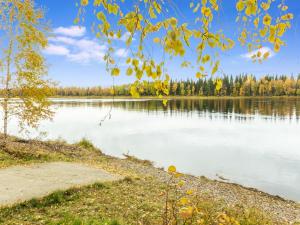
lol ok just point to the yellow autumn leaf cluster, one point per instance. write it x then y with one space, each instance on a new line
270 30
142 23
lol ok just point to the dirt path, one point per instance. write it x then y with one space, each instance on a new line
21 183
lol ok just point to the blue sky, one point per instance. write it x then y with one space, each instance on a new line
74 55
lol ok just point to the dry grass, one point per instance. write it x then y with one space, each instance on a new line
19 151
131 201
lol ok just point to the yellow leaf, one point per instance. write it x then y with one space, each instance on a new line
129 71
215 68
267 20
258 54
115 71
84 2
151 12
284 8
165 101
205 58
277 47
219 84
189 192
184 201
172 169
265 6
199 75
256 22
266 55
156 40
128 60
240 5
288 16
101 16
206 11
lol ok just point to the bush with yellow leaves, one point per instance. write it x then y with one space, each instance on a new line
184 206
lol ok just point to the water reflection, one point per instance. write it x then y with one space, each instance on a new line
240 109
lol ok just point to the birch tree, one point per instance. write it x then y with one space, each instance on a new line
24 85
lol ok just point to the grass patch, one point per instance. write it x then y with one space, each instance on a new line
20 151
85 143
137 160
136 202
73 220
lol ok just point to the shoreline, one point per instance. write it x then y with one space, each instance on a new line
279 208
177 97
145 162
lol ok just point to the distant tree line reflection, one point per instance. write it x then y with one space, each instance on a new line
244 109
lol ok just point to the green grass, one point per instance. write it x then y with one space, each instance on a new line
71 220
131 201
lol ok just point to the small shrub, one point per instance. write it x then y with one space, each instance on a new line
186 207
55 198
85 143
98 186
137 160
59 197
35 203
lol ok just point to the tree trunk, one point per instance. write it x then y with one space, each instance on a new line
5 119
7 92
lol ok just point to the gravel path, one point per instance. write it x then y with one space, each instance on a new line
21 183
281 210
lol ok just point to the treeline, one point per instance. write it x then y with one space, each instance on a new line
243 85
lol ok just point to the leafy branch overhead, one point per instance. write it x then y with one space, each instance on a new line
151 20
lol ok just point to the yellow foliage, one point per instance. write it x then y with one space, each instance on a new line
172 169
115 71
24 33
176 37
219 84
267 20
156 40
84 2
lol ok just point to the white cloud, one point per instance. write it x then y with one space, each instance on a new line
263 50
86 57
86 50
87 44
56 50
77 50
61 39
72 31
72 44
122 52
81 50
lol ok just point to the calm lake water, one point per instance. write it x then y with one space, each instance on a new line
253 142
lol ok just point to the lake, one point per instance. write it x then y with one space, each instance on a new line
252 142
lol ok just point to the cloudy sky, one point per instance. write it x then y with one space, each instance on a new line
75 57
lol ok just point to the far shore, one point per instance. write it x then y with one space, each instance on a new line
178 97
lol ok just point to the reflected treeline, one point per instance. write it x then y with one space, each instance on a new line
243 109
